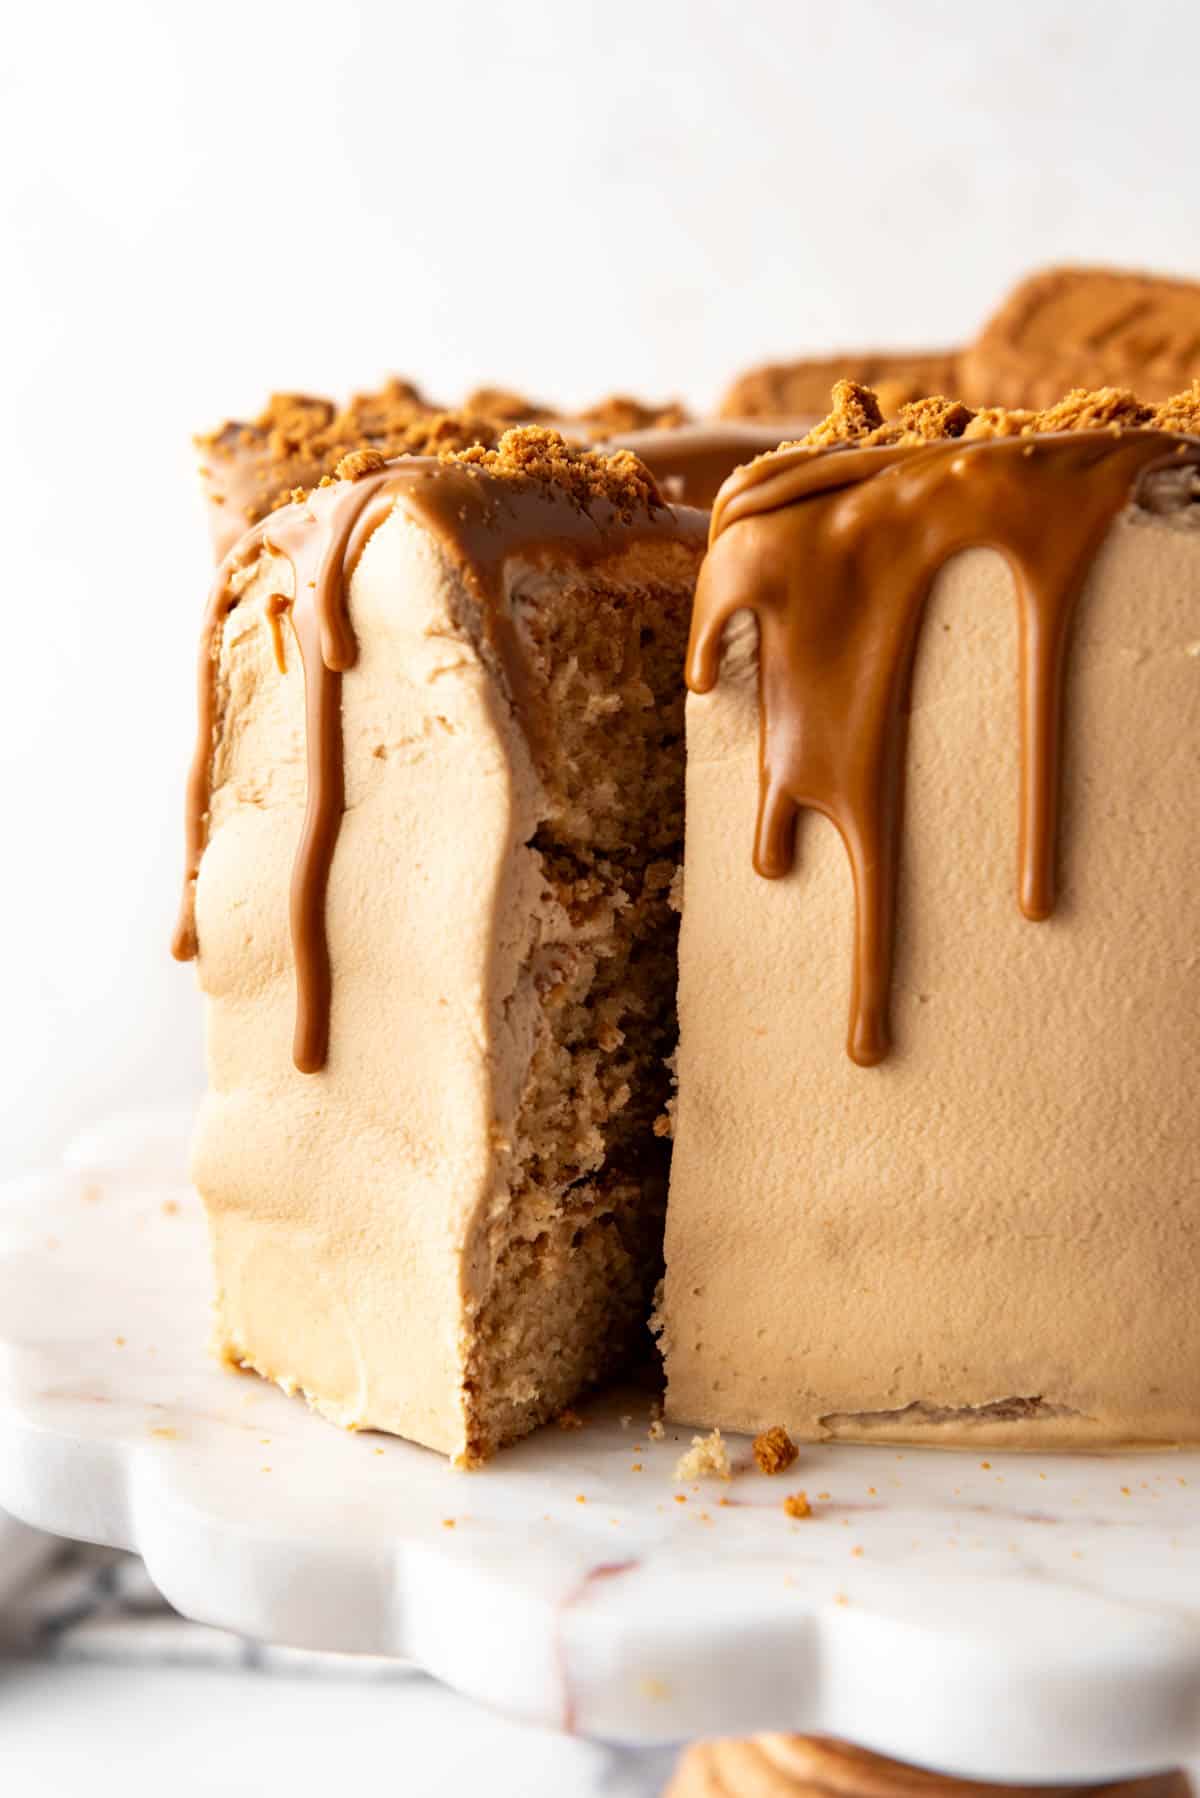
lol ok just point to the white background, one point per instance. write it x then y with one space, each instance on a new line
200 203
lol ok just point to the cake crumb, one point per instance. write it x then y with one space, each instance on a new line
448 1523
774 1450
796 1505
656 1432
708 1458
569 1420
626 1420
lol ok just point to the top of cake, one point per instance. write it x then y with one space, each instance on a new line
856 419
524 456
251 468
536 453
841 536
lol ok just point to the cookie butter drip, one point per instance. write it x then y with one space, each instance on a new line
483 520
835 554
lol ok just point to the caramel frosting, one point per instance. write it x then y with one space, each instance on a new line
787 1766
531 496
834 554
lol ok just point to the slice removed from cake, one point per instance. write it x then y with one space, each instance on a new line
450 1223
935 1165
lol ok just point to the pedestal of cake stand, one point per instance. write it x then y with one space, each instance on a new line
782 1766
1028 1619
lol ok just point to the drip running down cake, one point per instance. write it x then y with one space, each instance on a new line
435 816
936 1147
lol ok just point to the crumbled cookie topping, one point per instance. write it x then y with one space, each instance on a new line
856 419
536 453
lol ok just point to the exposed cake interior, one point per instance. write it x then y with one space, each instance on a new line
574 1247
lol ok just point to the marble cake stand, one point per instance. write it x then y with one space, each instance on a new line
1000 1617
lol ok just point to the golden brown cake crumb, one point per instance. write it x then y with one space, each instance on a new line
569 1420
774 1450
536 453
796 1505
708 1458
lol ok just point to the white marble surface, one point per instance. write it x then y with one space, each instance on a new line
1006 1617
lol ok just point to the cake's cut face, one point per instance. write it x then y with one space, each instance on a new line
250 469
435 815
1085 327
936 1140
800 390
